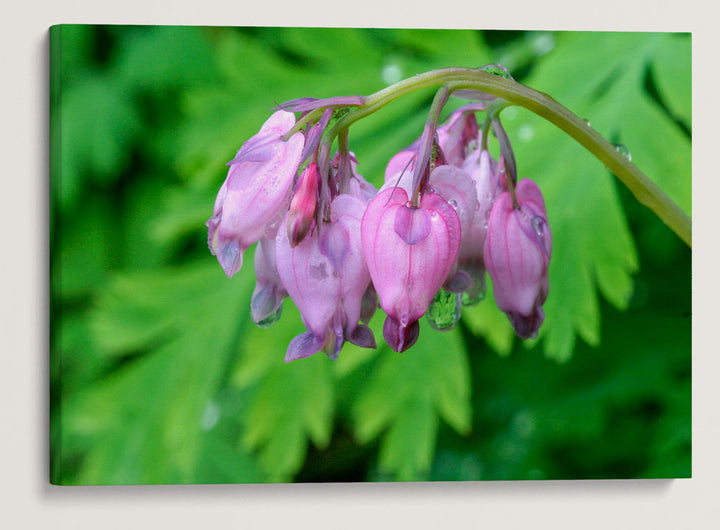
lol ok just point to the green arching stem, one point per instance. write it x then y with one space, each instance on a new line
644 190
381 98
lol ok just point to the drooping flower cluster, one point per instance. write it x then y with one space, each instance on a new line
447 213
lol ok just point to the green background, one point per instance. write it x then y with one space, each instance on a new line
158 374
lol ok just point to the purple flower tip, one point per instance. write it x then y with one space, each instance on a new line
527 327
264 303
304 345
363 336
398 336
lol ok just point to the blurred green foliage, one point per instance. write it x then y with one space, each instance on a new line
158 374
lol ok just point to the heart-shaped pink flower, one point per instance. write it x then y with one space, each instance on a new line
326 276
517 255
409 252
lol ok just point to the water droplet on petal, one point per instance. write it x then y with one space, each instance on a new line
477 294
540 228
624 151
538 224
444 311
271 318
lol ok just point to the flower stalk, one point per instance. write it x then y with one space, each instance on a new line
514 93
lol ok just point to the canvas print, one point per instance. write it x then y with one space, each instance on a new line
356 254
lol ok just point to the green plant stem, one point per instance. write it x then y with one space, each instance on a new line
644 190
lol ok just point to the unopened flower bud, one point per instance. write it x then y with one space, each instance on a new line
302 207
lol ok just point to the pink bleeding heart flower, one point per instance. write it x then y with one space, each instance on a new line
517 255
485 175
267 298
303 204
327 278
361 188
256 190
489 178
457 187
399 172
345 178
401 164
457 135
410 252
